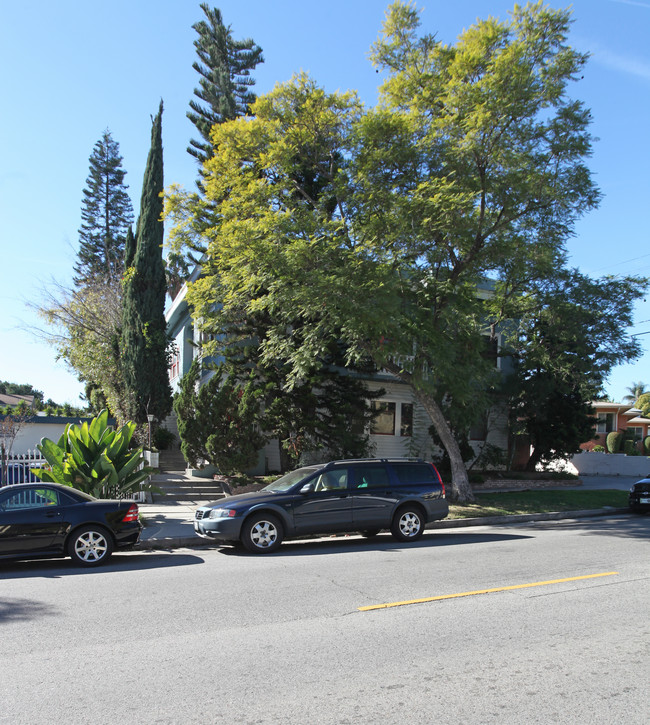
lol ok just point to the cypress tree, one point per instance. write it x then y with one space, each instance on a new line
144 337
106 214
224 65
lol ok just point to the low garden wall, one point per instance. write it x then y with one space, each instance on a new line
515 484
608 464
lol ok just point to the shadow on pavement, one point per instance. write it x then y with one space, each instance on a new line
628 526
131 561
342 544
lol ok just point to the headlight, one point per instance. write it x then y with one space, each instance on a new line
222 513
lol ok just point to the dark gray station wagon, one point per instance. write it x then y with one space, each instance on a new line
365 495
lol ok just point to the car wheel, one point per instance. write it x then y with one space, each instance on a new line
262 534
90 546
370 533
408 524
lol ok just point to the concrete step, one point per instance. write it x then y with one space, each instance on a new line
183 488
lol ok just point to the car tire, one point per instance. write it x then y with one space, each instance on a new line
90 546
262 533
408 523
370 533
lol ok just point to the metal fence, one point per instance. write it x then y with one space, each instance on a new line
17 468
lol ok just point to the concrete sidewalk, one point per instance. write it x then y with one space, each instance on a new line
170 523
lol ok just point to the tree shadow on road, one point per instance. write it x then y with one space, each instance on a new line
120 562
628 526
351 544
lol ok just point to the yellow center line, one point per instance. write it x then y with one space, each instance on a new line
484 591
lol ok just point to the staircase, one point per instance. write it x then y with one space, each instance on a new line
172 461
177 486
176 483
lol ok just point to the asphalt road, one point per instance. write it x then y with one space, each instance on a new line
217 636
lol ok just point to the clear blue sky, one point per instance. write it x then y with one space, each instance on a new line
72 68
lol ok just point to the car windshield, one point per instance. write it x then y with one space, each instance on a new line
284 483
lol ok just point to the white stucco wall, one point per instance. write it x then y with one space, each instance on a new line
608 464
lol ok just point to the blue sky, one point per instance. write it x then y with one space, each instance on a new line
73 68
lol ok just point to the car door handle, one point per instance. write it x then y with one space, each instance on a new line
52 515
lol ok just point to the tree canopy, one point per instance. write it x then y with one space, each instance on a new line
379 227
224 66
144 344
106 216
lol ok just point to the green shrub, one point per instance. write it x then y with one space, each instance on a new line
598 449
629 448
614 441
95 459
646 445
163 439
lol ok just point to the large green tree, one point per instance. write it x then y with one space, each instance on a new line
106 215
224 66
218 421
471 166
571 333
144 343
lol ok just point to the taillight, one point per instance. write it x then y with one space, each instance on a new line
131 514
439 479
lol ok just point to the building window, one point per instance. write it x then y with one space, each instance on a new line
175 366
491 349
384 421
387 422
606 422
636 431
406 422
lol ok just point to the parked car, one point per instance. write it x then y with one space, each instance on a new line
640 495
366 495
49 520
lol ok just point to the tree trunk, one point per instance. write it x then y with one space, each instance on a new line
534 459
460 490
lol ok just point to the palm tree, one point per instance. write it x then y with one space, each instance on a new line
636 390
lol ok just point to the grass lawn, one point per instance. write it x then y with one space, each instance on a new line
531 502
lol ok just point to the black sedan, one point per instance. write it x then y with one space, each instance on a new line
49 520
640 495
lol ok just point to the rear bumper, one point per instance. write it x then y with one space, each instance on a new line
436 510
127 538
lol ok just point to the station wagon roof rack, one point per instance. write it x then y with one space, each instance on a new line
396 459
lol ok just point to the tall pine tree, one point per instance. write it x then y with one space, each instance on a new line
106 215
144 337
224 89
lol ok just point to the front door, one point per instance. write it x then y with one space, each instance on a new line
328 507
30 519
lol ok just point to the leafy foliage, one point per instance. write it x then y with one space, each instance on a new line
106 216
95 458
378 227
218 422
572 332
224 91
144 343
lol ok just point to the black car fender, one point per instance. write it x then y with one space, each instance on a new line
278 511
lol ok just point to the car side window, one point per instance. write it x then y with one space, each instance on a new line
31 498
334 480
415 473
371 477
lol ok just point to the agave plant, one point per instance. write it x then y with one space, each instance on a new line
95 458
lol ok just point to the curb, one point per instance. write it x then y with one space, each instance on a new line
523 518
194 542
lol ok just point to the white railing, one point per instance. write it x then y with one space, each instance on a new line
16 467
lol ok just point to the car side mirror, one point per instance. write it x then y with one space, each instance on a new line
307 488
